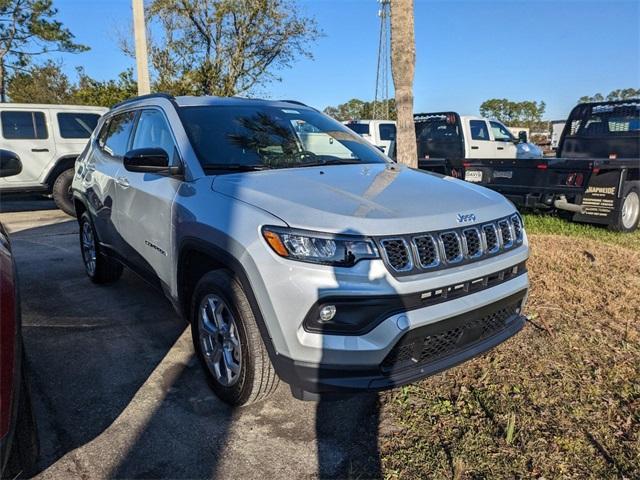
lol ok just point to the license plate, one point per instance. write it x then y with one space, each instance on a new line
473 176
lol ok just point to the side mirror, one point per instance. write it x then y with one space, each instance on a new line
522 136
10 164
149 160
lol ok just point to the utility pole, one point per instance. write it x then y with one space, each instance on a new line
140 35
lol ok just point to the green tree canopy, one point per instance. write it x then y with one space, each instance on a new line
28 29
620 94
47 83
43 84
223 47
356 109
518 114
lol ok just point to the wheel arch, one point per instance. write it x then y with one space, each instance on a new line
196 257
63 163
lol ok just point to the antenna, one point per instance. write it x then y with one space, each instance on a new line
381 97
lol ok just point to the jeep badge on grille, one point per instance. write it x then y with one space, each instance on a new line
466 217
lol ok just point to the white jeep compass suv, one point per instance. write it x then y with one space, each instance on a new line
297 250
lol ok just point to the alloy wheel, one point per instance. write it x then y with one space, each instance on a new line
88 248
218 335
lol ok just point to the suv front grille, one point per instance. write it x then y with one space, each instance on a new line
397 253
437 250
428 347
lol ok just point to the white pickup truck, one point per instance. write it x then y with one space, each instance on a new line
452 136
381 133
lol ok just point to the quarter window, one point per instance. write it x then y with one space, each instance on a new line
116 140
153 132
23 125
77 125
479 130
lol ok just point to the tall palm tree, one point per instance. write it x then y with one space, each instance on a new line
403 63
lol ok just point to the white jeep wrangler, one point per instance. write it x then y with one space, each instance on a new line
47 139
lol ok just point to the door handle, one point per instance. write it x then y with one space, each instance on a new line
39 149
123 182
500 148
474 148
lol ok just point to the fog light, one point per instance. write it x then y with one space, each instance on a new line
327 313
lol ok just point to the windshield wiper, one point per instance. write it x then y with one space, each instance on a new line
235 167
333 161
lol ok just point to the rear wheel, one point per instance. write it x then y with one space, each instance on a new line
62 192
629 215
99 267
228 342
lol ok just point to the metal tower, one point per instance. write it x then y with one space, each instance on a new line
381 97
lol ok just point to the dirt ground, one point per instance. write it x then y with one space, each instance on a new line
560 400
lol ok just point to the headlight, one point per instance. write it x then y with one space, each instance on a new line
325 249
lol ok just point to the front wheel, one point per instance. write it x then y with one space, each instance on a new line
629 215
99 267
61 192
228 342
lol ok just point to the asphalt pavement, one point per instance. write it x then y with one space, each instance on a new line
118 392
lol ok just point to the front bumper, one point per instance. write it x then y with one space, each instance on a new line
419 353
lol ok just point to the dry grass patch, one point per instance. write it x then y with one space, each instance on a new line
561 399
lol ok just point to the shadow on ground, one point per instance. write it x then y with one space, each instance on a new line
119 393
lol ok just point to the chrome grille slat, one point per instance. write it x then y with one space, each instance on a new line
473 242
451 247
398 254
429 251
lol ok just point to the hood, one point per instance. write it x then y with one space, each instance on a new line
371 199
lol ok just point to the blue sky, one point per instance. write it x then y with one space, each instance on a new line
467 51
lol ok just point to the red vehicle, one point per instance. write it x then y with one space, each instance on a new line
18 436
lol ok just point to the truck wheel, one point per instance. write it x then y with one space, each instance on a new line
99 267
62 192
228 342
629 215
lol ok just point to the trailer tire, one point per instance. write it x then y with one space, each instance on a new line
628 216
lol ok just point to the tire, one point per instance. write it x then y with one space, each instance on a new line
61 192
230 337
99 267
24 447
629 215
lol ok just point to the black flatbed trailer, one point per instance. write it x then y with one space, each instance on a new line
595 177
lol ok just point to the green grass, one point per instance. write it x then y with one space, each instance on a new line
546 224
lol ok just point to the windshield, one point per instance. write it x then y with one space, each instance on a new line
271 137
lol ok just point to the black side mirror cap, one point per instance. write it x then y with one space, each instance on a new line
10 163
149 160
522 136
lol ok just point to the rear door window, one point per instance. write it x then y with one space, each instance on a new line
20 125
77 125
479 130
359 128
116 139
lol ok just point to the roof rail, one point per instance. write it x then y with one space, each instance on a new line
294 101
143 97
